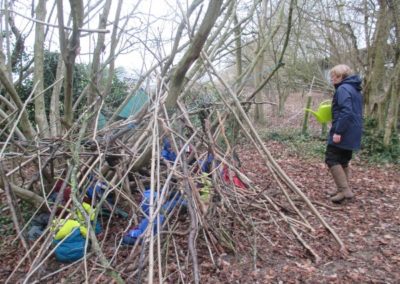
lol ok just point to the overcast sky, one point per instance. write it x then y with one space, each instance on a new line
160 14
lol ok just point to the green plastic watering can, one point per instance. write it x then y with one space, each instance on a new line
324 112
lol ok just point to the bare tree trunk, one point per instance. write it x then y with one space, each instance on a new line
281 96
279 63
54 111
26 126
114 43
374 89
38 71
238 43
70 48
95 74
259 116
19 46
394 90
178 37
394 93
178 76
5 72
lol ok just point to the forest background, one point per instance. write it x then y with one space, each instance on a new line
217 75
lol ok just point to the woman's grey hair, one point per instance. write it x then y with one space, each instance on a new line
341 70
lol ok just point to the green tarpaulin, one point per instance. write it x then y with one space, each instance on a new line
134 104
130 108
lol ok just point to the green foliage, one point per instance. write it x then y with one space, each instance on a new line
201 100
6 223
119 91
81 79
24 91
119 87
373 149
50 68
297 143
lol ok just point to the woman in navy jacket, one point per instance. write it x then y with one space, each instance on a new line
345 133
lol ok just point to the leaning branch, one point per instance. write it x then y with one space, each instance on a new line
104 31
280 61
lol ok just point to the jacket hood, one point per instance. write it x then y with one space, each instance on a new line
353 80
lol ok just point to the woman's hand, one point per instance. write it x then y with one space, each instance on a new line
336 138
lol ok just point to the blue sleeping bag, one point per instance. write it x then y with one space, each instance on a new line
71 248
132 235
167 152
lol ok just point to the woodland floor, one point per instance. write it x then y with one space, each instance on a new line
369 225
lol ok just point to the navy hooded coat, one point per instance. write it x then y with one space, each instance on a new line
347 108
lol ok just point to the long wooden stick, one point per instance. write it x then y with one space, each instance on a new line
270 160
15 213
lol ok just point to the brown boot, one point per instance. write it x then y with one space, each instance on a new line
333 192
340 178
347 172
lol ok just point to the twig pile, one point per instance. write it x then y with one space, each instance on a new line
127 158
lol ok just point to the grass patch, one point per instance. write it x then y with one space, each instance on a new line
306 146
6 223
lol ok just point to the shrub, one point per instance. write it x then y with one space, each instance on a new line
373 149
